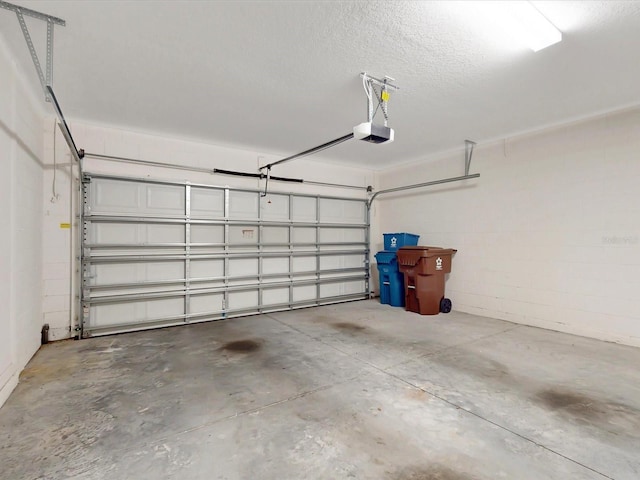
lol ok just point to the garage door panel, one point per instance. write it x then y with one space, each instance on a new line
342 211
163 271
207 268
304 293
207 203
304 235
274 207
164 199
275 234
243 234
110 274
163 234
207 233
211 303
243 205
151 258
353 287
332 262
110 196
113 274
114 233
341 235
340 289
246 300
243 266
135 234
275 265
304 264
275 296
304 209
143 311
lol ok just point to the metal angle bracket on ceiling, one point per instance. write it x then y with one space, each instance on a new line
46 79
468 153
369 83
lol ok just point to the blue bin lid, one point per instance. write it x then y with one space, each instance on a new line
386 257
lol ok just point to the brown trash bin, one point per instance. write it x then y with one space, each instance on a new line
424 271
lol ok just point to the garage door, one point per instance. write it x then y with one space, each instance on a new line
158 253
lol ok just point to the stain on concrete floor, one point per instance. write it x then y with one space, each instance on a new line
586 409
348 327
242 346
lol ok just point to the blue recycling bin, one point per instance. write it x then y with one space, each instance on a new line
391 279
393 241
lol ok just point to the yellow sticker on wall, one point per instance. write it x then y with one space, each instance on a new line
65 225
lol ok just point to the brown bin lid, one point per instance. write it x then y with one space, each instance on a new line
424 251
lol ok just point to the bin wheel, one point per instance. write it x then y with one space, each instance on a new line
445 305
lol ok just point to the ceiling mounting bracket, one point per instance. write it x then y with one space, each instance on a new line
369 83
468 153
46 78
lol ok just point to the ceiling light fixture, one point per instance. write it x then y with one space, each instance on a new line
524 21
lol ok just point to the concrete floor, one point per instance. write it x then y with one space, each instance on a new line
357 390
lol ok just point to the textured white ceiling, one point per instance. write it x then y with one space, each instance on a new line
280 77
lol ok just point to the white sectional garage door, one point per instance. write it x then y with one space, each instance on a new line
158 253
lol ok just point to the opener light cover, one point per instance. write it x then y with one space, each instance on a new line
373 133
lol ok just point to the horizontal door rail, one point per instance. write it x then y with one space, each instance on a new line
178 281
213 256
178 293
132 246
181 220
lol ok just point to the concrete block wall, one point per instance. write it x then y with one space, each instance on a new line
21 153
59 264
547 236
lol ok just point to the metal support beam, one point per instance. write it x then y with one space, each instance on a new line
49 77
32 13
468 153
45 80
32 51
421 185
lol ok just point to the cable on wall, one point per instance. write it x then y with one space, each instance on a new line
54 195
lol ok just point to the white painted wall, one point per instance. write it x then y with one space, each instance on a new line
548 235
59 275
21 151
